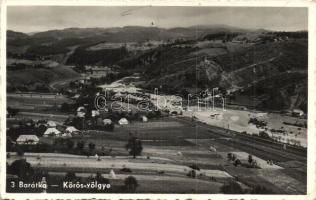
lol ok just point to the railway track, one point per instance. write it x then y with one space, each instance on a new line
260 148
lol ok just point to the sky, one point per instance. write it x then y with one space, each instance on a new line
30 19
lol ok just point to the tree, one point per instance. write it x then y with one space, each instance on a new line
264 134
134 146
10 144
59 142
12 111
258 189
91 146
195 166
70 176
70 144
229 156
237 162
250 159
100 179
254 164
130 184
40 130
192 173
234 157
108 127
19 151
232 187
21 168
65 107
80 145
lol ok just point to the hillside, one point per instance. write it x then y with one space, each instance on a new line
37 79
259 68
12 35
275 73
74 36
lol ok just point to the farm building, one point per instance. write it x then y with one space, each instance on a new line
51 132
81 109
112 174
95 113
123 121
66 134
297 112
81 114
51 124
71 129
99 121
76 96
144 118
27 139
107 121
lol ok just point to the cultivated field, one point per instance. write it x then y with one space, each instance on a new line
171 145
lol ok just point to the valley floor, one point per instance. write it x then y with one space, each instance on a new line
170 146
237 120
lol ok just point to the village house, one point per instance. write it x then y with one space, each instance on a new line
297 112
51 124
27 139
123 121
71 131
51 132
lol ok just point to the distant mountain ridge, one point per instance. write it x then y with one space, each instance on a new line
139 32
268 65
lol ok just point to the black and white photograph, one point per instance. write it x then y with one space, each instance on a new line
156 100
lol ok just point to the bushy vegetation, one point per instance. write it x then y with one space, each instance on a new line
43 50
109 78
224 36
258 123
130 184
21 168
134 146
232 187
82 56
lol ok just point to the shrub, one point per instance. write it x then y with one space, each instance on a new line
192 173
19 151
80 145
91 146
234 157
12 111
130 184
134 146
258 189
237 162
100 179
229 156
250 159
232 187
70 144
263 134
126 169
70 176
21 168
194 166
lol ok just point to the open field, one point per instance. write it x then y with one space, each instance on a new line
36 102
237 120
83 164
185 143
38 105
27 79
